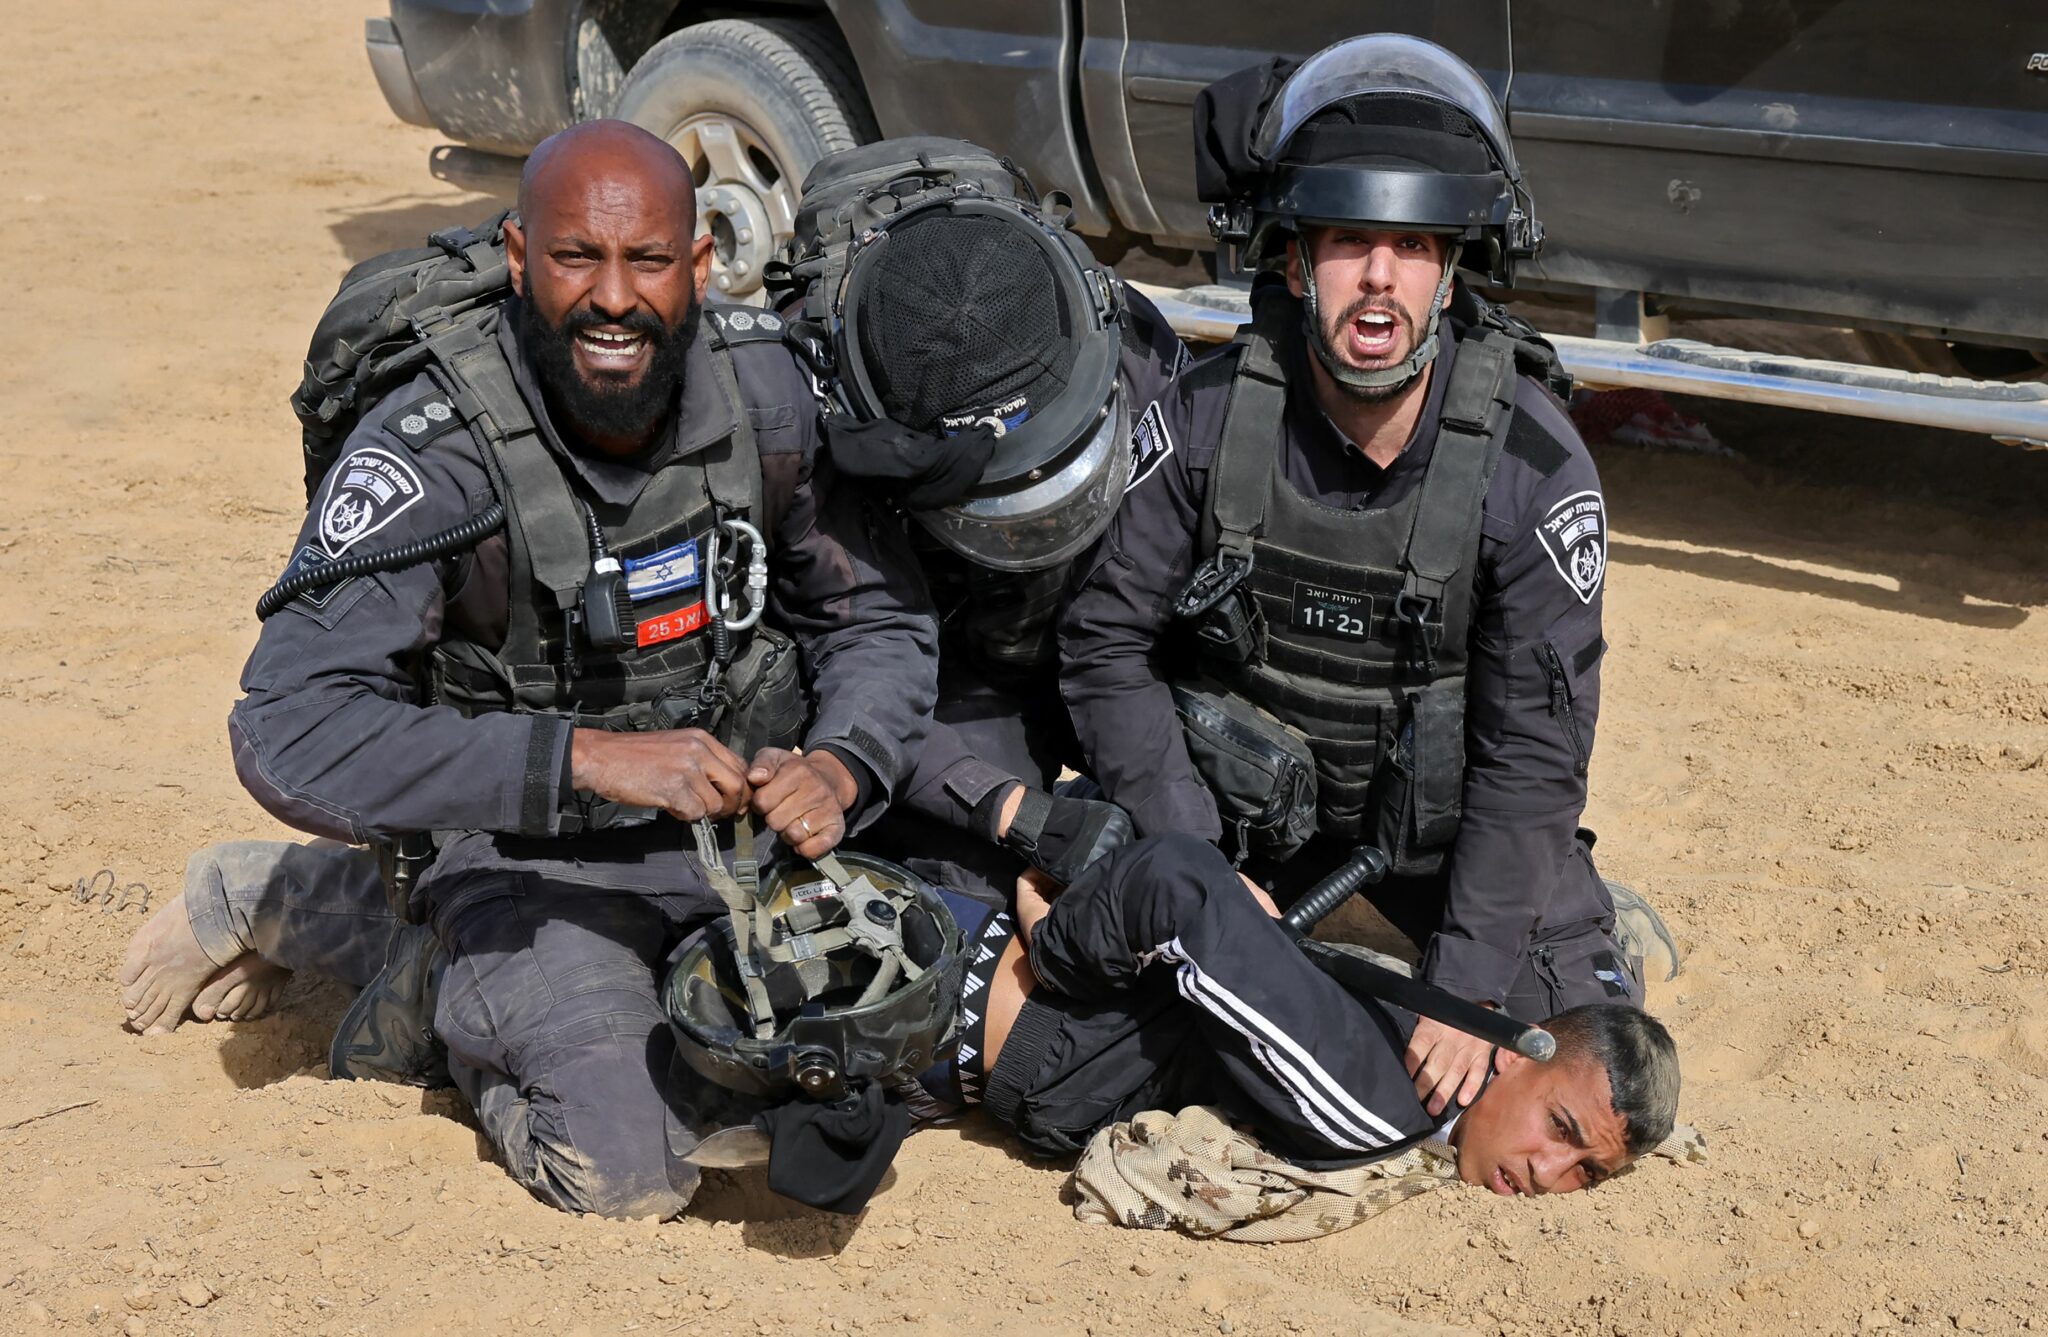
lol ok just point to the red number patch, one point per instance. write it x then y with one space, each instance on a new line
670 626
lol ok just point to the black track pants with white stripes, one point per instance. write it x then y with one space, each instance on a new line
1164 985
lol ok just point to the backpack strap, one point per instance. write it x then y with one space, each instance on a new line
1247 452
540 506
732 467
1234 511
1471 430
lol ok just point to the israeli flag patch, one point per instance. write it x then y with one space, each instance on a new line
1151 443
662 572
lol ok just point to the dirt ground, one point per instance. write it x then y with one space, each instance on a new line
1822 754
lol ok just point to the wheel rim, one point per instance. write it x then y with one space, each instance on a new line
745 198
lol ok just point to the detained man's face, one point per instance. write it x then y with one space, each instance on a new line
1541 1128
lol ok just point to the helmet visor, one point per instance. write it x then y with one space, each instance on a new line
1384 63
1421 201
1050 515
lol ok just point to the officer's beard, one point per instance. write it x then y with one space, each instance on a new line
1335 334
608 408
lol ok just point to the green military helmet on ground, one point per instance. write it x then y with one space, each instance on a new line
822 980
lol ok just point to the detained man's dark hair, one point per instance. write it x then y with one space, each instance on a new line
1639 1057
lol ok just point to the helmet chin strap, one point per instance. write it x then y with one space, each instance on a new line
1402 372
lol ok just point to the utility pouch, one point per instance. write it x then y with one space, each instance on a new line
1261 772
766 705
1232 630
1421 783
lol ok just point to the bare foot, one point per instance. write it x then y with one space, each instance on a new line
164 971
242 990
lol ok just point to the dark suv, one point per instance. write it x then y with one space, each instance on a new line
1859 163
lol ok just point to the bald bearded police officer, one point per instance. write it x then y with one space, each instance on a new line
545 702
1366 580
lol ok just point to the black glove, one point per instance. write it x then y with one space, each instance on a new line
833 1156
1062 836
927 471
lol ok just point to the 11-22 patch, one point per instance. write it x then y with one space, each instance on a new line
1322 611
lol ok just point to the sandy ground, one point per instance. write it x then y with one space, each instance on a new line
1822 754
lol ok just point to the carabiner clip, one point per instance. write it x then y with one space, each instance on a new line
1213 579
742 537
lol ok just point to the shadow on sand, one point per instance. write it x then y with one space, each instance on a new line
1901 519
290 1040
403 221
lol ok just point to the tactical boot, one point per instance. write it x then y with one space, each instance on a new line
1641 932
387 1034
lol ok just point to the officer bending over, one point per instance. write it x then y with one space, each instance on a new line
548 701
989 373
1359 600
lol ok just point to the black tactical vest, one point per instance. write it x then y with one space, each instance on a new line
1350 628
683 671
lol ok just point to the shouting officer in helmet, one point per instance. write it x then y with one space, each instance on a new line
1359 599
989 373
585 500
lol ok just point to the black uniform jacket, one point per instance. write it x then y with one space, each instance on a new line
1534 677
329 736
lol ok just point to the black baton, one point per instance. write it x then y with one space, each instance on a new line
1360 976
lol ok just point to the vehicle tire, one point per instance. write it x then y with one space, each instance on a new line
751 104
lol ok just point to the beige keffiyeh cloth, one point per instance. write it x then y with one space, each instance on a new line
1193 1172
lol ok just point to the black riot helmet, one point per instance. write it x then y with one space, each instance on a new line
1389 132
819 981
967 315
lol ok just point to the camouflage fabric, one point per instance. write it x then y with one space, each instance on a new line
1195 1173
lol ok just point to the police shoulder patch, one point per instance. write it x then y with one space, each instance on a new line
1574 534
367 489
1151 443
746 324
423 420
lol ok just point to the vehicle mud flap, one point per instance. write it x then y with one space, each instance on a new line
1261 772
1422 781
